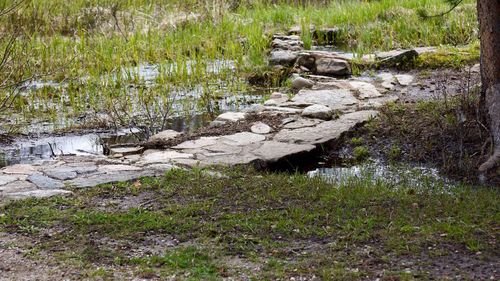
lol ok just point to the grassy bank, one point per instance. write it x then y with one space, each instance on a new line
263 226
86 43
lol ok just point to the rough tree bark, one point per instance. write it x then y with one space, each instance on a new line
489 25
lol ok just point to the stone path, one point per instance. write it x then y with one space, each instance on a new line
322 109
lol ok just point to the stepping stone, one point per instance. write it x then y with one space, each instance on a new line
17 186
318 111
244 138
117 168
280 109
231 116
124 151
94 180
164 135
387 79
61 174
365 90
44 182
272 151
163 157
301 123
336 99
5 179
404 79
325 131
37 194
283 57
199 143
22 169
260 128
299 83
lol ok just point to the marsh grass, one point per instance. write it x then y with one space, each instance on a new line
68 41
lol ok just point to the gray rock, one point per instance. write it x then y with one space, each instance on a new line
301 123
164 135
45 182
260 128
404 79
280 57
425 50
61 174
80 168
231 116
163 157
387 79
291 45
93 180
37 194
272 151
284 110
326 131
396 56
365 90
23 169
324 63
254 108
332 67
318 111
127 150
299 83
199 143
244 138
5 179
336 99
117 168
17 186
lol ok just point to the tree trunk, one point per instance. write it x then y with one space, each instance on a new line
489 24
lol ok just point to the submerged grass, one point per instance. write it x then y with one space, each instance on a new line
275 225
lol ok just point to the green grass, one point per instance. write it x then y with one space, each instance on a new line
263 219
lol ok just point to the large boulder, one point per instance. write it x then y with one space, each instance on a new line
324 63
283 57
396 57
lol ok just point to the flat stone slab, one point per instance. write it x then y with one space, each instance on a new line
272 151
127 150
163 157
23 169
164 135
37 194
326 131
301 123
336 99
117 168
93 180
231 116
199 143
5 179
244 138
44 182
17 186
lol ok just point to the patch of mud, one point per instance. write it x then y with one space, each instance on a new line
440 84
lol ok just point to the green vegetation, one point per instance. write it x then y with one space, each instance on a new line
87 45
275 225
